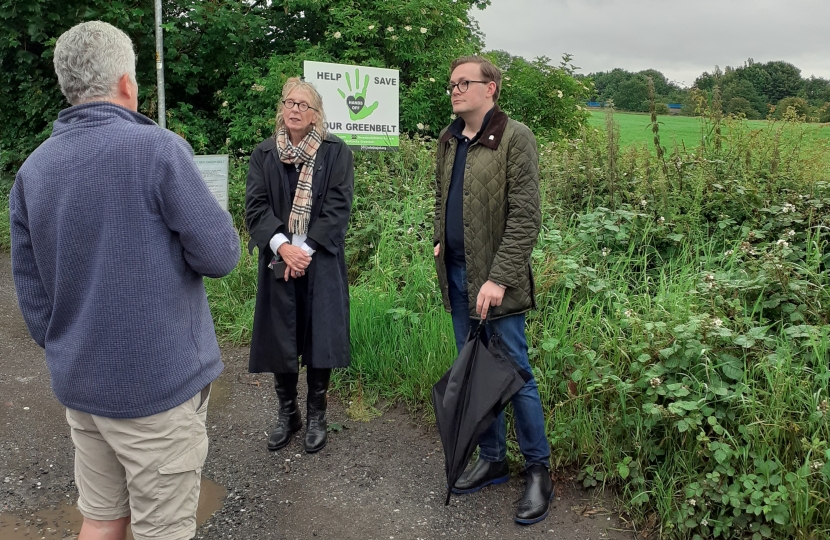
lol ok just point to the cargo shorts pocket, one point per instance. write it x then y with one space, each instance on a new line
190 460
178 491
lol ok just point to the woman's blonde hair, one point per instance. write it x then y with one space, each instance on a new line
316 101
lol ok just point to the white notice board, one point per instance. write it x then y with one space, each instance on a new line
214 171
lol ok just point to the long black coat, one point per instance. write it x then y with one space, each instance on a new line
267 207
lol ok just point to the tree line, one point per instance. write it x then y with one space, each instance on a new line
226 62
754 89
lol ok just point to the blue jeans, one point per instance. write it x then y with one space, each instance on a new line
527 407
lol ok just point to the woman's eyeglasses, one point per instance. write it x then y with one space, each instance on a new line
289 104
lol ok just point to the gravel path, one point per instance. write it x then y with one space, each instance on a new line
381 479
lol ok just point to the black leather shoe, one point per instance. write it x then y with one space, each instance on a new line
289 420
316 429
535 503
481 474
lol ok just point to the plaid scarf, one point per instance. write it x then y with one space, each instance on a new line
304 154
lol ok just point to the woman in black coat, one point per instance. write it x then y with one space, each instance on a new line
297 204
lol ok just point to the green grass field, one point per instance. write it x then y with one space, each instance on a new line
636 129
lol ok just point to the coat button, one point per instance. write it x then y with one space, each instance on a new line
468 166
468 252
466 223
466 193
319 195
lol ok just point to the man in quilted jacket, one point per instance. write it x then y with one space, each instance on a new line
487 218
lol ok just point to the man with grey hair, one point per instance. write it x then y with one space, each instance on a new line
113 230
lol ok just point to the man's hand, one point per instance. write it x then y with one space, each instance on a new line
491 294
296 260
437 249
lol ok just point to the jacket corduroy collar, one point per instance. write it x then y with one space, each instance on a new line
493 133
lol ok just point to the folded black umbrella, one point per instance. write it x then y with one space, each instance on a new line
470 396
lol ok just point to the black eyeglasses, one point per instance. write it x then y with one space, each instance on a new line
289 104
462 86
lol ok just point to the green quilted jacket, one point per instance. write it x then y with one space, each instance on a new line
502 214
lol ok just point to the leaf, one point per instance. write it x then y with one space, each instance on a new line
744 341
572 388
732 368
682 407
623 470
550 344
758 332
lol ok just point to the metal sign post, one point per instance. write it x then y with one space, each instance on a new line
160 67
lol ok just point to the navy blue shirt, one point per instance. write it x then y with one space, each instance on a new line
454 248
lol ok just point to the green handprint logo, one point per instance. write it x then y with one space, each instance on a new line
357 101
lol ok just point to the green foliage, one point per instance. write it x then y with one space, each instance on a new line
203 43
792 105
5 232
632 95
740 96
216 52
816 91
629 91
545 98
763 85
741 106
681 344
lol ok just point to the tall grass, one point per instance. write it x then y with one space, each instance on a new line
681 343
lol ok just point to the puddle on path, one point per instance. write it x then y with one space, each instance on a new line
65 521
220 395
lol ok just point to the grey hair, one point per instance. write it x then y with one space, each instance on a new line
90 58
316 99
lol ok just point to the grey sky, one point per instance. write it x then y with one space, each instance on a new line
681 39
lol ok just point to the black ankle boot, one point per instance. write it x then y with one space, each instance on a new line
316 434
289 419
481 474
535 503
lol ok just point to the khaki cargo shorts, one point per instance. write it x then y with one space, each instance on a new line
148 468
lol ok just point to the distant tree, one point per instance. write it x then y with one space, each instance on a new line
784 81
632 95
606 84
734 87
707 81
547 98
816 91
799 105
662 86
740 105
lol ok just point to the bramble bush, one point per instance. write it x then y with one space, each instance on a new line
681 343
